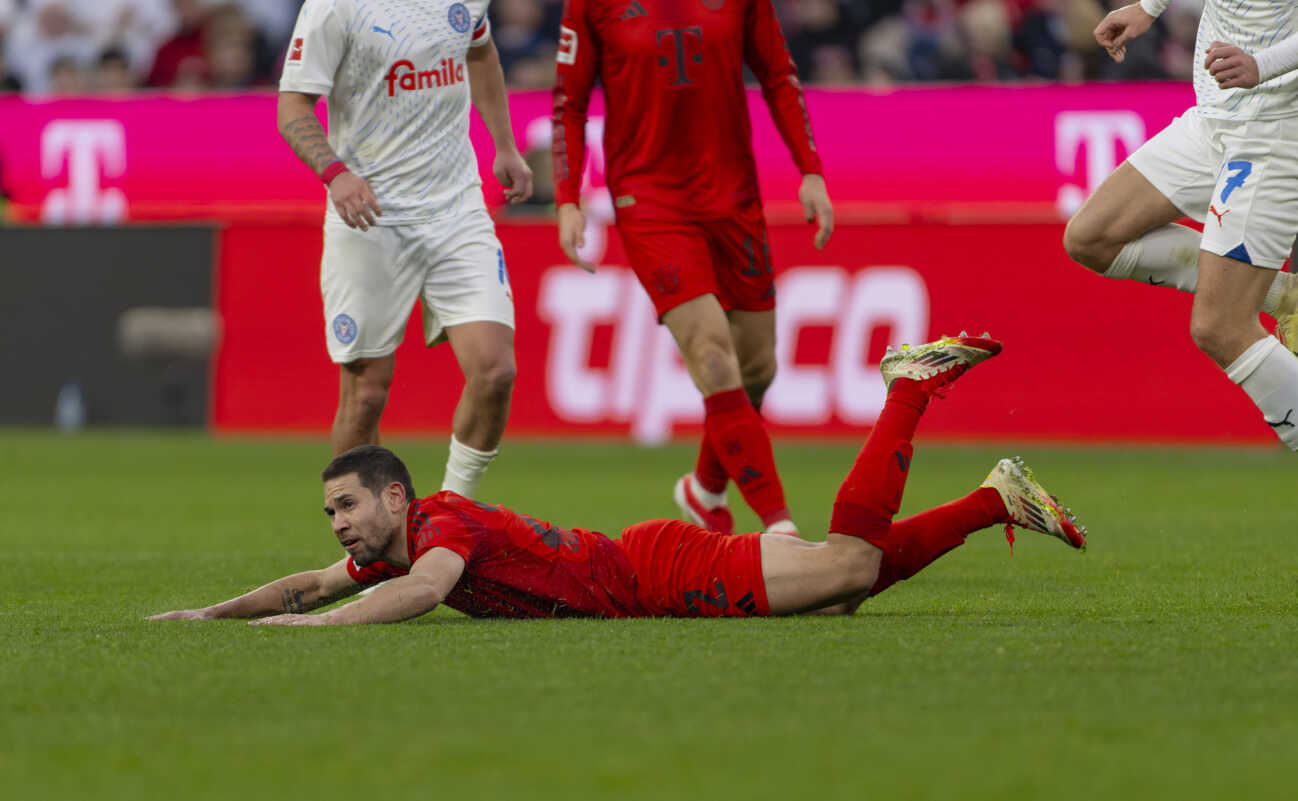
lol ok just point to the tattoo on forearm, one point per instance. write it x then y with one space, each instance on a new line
307 138
293 601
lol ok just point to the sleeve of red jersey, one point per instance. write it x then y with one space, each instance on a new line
577 63
443 530
767 54
372 573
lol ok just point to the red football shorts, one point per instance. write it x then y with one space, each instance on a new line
681 260
686 571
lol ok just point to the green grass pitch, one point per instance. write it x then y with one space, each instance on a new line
1161 664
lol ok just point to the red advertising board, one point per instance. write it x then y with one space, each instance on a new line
1086 358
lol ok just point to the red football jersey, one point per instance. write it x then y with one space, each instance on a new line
677 137
516 566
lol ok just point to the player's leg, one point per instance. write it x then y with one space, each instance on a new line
801 579
485 352
367 291
701 494
674 264
468 302
362 394
1125 230
1242 251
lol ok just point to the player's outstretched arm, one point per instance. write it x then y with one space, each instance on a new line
431 579
1124 24
300 592
352 196
487 89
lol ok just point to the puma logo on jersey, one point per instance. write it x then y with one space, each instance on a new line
405 77
385 31
634 10
1218 215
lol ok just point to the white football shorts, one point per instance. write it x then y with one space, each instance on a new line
1237 177
371 279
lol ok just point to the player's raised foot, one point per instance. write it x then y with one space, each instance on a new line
936 364
702 508
1031 506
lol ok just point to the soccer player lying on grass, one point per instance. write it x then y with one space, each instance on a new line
489 561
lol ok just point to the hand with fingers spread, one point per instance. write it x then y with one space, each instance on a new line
510 168
1121 26
355 200
1231 67
572 234
816 206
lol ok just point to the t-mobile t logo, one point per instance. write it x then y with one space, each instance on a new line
681 52
1096 135
86 150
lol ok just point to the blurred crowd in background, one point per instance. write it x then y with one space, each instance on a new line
89 46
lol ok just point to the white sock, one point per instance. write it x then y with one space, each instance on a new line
1268 374
709 499
465 467
1167 256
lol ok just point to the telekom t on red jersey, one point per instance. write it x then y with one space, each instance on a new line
677 137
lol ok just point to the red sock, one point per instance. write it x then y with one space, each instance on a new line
918 541
708 469
871 493
740 443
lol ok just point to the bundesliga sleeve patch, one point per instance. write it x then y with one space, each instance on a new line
567 46
295 52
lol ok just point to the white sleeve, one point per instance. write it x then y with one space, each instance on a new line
481 32
315 50
1155 7
1277 59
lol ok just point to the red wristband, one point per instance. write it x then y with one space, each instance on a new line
332 171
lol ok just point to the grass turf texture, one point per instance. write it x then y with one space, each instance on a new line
1161 664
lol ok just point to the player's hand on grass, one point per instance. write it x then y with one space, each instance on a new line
1121 26
514 174
184 614
572 234
355 200
1232 67
290 620
816 206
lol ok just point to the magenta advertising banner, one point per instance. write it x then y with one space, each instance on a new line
925 152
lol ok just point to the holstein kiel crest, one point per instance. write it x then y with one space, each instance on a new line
459 18
344 329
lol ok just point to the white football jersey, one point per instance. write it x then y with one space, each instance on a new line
1250 25
397 84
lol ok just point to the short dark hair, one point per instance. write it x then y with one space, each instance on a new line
375 466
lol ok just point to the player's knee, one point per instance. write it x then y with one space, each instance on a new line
1209 334
1085 245
713 362
364 403
494 383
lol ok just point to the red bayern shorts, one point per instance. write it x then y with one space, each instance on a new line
681 260
685 571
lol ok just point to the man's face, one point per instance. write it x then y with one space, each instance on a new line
362 521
